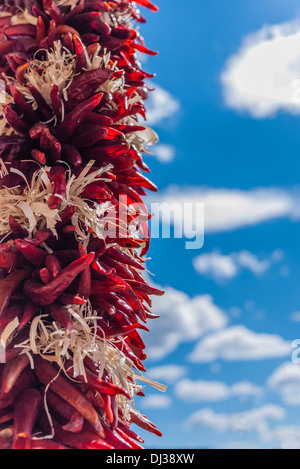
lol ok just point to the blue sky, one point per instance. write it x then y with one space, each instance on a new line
227 113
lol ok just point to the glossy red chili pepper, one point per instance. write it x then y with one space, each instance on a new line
48 375
57 177
47 294
26 411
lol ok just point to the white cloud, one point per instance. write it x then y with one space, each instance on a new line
295 316
161 105
182 319
262 78
285 380
155 401
214 391
202 391
224 209
238 343
222 267
169 373
253 420
164 152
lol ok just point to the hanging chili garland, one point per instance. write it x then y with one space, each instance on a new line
73 224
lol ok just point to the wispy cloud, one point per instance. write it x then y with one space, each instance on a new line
222 267
227 209
262 78
237 343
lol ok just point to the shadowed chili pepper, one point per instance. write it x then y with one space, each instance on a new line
14 311
56 102
9 284
24 381
12 371
8 260
86 439
126 437
120 256
14 120
22 104
98 384
66 411
69 299
75 117
43 106
16 228
61 315
53 11
32 253
48 374
30 310
26 411
58 179
39 237
46 444
53 265
47 294
71 154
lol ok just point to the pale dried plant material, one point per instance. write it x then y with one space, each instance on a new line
29 206
49 340
58 69
23 17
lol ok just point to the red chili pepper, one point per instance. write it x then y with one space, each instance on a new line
12 371
75 117
58 179
86 439
9 284
32 253
30 310
61 315
47 294
40 29
47 374
14 311
143 422
26 411
46 444
14 120
66 411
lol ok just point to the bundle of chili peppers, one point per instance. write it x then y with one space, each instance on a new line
73 224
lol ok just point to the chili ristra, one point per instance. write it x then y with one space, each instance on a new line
73 297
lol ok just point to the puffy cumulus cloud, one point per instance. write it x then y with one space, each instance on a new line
213 391
164 152
238 343
161 106
285 380
224 209
262 78
253 420
221 267
156 401
169 373
182 319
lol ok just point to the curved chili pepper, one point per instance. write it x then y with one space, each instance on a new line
58 179
47 294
